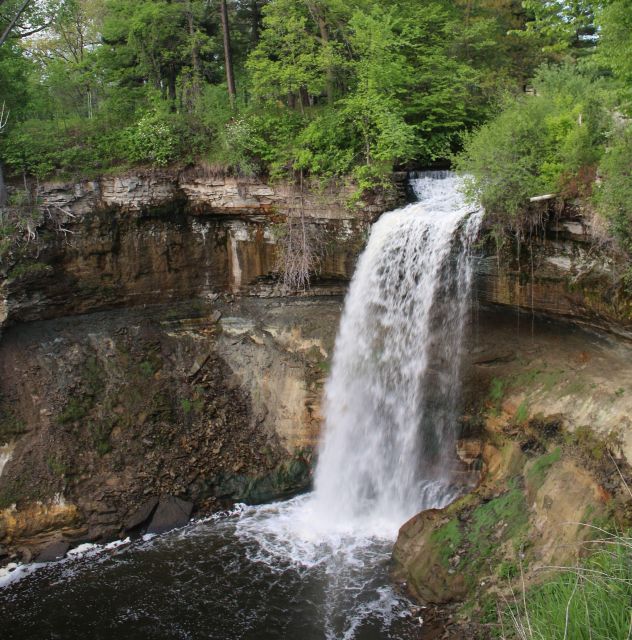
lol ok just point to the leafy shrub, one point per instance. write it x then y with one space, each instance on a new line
152 139
614 195
547 143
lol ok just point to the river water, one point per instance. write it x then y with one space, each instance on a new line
234 576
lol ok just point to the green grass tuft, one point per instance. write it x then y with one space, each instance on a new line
537 473
590 601
448 538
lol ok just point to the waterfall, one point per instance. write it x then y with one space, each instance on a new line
317 565
391 401
391 409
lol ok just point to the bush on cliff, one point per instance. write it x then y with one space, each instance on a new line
614 195
549 142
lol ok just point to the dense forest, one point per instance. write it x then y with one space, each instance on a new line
531 97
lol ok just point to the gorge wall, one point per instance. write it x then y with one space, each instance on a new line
159 237
140 357
149 350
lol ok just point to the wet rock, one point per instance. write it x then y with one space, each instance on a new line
141 515
170 513
53 551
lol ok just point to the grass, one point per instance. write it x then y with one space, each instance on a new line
497 389
522 413
448 538
186 405
590 601
75 410
480 537
537 472
28 268
510 509
146 369
508 570
595 446
100 432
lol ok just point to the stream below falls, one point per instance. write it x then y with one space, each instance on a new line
244 575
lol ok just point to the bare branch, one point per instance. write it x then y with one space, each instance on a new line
4 117
13 22
26 34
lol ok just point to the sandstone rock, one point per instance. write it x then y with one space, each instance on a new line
170 513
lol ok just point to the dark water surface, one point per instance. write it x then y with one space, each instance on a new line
239 576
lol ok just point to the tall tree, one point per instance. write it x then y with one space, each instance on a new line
228 56
4 118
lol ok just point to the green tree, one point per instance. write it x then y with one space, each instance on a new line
563 27
288 64
615 20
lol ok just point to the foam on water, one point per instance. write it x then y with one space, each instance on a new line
287 537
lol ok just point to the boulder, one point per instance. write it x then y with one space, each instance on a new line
170 513
141 515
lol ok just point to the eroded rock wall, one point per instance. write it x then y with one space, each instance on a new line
207 402
563 269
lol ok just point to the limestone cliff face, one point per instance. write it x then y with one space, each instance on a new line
209 402
191 373
140 357
159 237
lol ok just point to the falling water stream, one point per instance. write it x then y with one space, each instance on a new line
315 566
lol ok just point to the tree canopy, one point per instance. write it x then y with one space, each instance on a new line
320 87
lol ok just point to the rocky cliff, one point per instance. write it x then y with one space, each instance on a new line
159 237
563 269
149 350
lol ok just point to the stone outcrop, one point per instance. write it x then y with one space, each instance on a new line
207 193
564 270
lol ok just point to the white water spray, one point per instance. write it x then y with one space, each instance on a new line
391 400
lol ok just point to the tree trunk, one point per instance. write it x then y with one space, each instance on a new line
13 22
4 198
255 23
228 58
196 75
171 87
319 16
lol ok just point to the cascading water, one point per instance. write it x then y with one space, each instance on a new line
316 566
392 395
